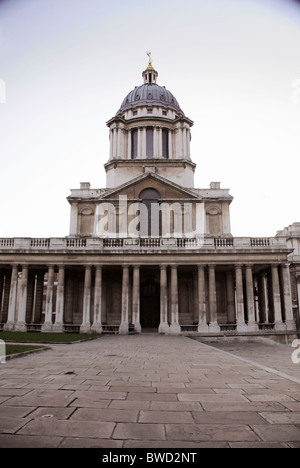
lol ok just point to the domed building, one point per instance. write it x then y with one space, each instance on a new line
150 252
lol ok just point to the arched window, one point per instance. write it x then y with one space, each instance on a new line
150 221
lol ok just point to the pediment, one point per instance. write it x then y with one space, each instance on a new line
166 189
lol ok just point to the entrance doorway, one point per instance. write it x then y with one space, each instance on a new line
150 305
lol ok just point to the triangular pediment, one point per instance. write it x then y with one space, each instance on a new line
166 188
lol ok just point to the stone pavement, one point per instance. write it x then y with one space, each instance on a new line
147 391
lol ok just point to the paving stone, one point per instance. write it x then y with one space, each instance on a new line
210 397
130 405
282 418
15 411
90 443
258 445
115 415
165 417
209 432
90 403
170 444
10 425
23 441
50 412
176 406
219 417
278 433
139 431
55 427
257 407
152 396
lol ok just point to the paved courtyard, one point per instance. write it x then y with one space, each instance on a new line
149 391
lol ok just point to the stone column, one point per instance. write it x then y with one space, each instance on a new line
195 298
86 316
263 299
37 311
252 325
160 142
240 310
163 326
11 317
170 144
1 294
119 144
231 317
287 299
213 325
174 327
129 144
136 299
202 322
60 301
115 139
279 325
97 324
110 144
21 321
123 329
298 295
47 325
188 136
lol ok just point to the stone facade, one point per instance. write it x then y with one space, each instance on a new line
150 251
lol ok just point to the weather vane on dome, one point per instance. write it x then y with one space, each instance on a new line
150 59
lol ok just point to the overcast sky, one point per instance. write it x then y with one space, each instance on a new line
66 66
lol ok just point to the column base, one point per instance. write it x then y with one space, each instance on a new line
252 327
9 326
96 328
164 328
214 327
290 325
242 327
123 328
58 328
20 326
174 329
203 328
85 328
47 328
280 326
137 328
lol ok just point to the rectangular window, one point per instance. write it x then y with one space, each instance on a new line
149 111
164 112
134 144
149 142
165 143
134 113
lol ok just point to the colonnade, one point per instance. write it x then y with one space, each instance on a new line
178 142
254 298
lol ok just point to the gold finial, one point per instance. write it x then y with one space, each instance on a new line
150 60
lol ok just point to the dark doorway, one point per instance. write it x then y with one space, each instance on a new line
150 305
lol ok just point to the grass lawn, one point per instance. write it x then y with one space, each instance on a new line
32 337
17 349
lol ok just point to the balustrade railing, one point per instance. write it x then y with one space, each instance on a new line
133 243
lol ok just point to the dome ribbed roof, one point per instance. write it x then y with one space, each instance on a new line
150 93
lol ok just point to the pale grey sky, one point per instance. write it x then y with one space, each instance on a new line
67 65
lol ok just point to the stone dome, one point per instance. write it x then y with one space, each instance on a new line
150 93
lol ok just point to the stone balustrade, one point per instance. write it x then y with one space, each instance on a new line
79 243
